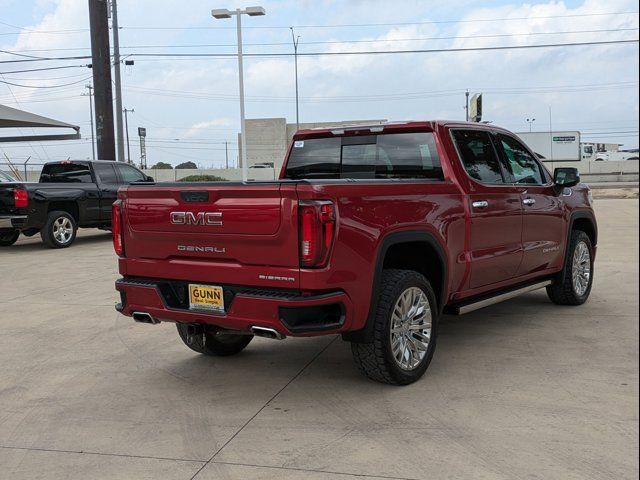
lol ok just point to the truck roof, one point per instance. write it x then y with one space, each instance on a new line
397 126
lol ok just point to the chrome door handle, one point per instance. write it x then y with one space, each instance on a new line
480 204
528 201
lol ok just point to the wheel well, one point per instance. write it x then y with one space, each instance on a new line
585 225
69 207
421 257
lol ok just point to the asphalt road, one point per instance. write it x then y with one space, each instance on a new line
524 389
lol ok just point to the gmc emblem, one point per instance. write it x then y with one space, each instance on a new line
200 218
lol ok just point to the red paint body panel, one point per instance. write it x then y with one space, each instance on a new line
257 245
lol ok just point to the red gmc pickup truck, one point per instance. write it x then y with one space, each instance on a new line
372 232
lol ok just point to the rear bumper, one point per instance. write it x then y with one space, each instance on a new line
286 311
12 221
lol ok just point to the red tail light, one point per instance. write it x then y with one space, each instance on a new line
317 220
20 198
116 228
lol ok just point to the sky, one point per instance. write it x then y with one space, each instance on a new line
190 108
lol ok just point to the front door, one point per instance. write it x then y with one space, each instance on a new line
544 225
495 242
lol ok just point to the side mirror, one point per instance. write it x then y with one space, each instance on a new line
566 177
149 179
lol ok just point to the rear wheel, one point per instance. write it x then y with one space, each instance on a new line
60 230
404 330
573 285
8 238
214 342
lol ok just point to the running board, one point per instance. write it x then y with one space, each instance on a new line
463 308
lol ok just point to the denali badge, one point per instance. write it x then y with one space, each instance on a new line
194 248
200 218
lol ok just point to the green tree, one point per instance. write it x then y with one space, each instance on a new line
187 165
162 166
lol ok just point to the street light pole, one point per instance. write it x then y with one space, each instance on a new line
530 122
93 143
252 12
295 57
126 123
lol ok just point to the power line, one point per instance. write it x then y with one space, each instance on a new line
355 25
344 25
45 86
45 69
339 42
385 52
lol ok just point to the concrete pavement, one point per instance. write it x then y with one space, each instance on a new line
524 389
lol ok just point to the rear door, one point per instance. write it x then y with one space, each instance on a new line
495 243
108 183
544 226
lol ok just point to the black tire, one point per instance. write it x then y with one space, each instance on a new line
562 291
214 343
376 359
9 238
48 232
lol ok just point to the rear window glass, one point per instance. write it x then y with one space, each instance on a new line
397 155
478 155
66 173
106 173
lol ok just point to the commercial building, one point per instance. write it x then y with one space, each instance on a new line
268 139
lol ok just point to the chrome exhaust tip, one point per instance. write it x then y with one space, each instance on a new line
267 333
143 317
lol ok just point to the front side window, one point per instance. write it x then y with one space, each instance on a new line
67 172
522 165
393 155
130 174
478 155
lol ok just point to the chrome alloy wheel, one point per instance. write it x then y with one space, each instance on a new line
410 328
581 269
62 230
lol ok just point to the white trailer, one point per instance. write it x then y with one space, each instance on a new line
561 146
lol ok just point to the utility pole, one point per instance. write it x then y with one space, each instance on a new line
226 154
466 105
101 66
117 80
90 95
296 40
126 122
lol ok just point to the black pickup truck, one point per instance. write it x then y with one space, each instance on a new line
69 195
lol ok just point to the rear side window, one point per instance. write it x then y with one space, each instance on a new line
523 166
106 173
130 174
66 173
478 155
396 155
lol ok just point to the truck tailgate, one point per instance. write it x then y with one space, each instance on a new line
219 224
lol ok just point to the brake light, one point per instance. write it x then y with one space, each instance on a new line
317 222
116 227
20 198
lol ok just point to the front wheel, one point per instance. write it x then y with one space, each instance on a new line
573 285
9 238
60 230
404 330
216 343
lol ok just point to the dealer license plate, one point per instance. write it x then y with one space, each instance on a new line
206 297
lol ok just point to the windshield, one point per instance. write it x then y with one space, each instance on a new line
5 178
395 155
